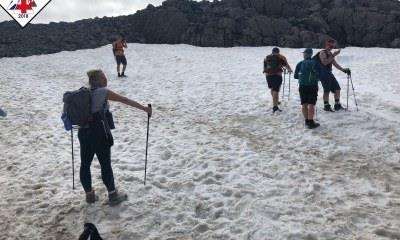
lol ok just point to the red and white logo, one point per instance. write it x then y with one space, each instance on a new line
23 11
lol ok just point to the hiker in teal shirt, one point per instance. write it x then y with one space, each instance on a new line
307 74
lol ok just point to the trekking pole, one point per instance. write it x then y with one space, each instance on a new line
354 92
316 107
72 153
348 90
284 83
290 77
147 146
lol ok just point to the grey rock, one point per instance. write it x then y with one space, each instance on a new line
226 23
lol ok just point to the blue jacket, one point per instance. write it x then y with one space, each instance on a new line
307 72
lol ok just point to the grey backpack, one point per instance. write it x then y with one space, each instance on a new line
77 106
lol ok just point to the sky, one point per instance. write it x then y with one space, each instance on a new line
72 10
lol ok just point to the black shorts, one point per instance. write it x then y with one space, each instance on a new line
121 59
274 82
308 94
329 83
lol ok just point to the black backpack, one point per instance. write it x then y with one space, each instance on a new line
318 66
77 106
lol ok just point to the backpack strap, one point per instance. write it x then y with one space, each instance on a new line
90 106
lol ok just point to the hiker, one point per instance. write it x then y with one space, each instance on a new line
329 83
96 138
118 49
274 65
307 74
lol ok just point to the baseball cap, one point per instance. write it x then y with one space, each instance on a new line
308 51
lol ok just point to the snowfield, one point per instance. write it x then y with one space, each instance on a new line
220 165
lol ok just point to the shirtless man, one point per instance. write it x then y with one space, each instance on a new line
328 80
118 49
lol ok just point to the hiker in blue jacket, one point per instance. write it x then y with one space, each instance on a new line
307 74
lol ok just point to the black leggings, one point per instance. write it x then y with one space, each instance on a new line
91 142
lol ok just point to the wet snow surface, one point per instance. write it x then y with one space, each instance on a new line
220 165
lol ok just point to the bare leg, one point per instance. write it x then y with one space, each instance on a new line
304 109
337 94
326 96
272 95
275 98
118 68
311 111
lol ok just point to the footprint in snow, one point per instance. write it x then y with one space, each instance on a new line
166 155
202 228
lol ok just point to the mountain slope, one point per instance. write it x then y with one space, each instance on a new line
226 23
220 165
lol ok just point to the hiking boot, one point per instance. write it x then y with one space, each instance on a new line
328 108
116 197
123 75
276 109
311 124
91 197
338 107
119 75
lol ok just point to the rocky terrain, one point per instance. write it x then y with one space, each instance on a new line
226 23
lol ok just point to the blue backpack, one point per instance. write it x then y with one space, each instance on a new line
309 74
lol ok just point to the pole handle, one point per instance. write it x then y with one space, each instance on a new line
149 105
